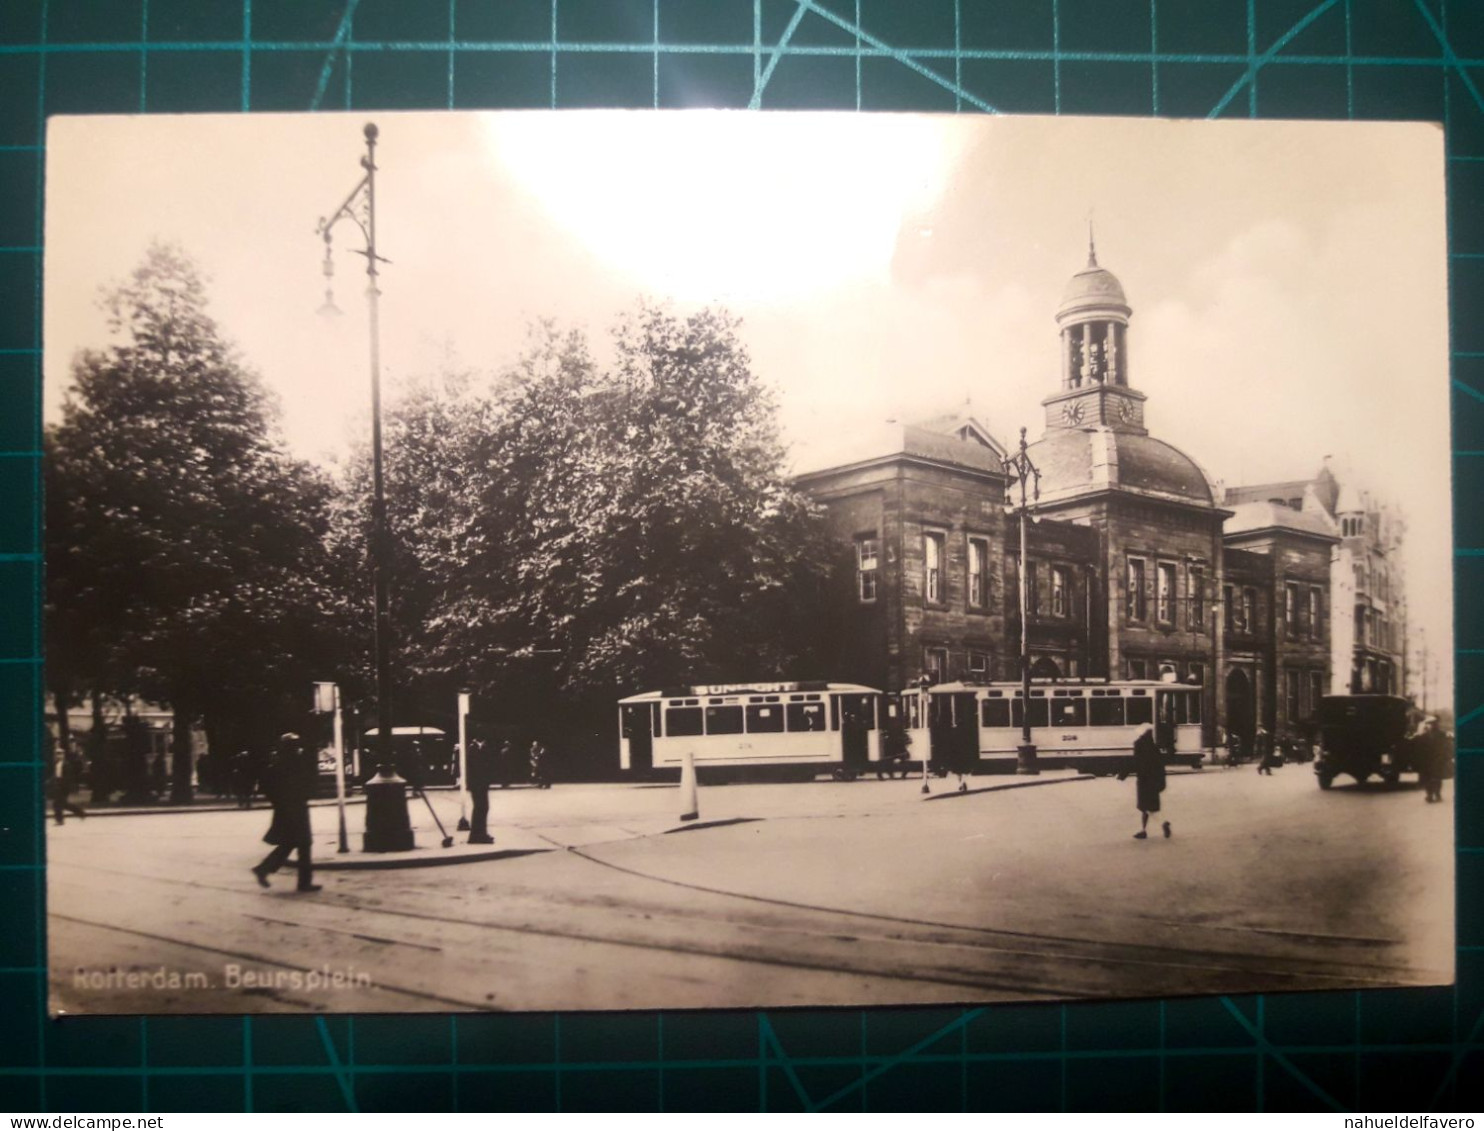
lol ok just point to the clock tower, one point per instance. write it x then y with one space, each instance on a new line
1093 318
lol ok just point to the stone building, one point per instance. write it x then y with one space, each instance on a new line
1157 559
1139 567
922 526
1367 636
1276 600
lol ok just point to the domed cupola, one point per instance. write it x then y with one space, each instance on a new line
1093 319
1093 293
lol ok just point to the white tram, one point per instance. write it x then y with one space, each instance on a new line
754 730
1084 725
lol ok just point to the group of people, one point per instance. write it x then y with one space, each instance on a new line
291 775
1267 751
487 766
1429 751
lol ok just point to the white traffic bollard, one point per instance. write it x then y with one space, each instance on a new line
689 810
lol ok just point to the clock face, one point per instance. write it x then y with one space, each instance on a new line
1072 413
1127 411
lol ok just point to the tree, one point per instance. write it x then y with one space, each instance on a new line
182 537
580 531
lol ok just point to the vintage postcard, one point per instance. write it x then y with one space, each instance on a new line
629 560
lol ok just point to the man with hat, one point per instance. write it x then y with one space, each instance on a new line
289 783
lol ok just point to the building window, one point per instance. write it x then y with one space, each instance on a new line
1249 610
1316 693
978 573
1137 598
979 665
1229 608
935 663
1291 685
1032 590
932 564
1164 607
1196 673
867 563
1316 612
1138 669
1196 580
1060 600
1291 610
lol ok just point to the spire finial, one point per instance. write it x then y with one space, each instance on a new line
1092 247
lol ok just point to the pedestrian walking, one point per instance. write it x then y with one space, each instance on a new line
1148 769
540 772
1432 759
244 778
289 784
479 764
504 763
66 777
1265 752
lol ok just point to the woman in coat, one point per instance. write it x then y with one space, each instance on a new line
289 784
1149 776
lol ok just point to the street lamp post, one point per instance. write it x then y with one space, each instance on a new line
387 825
1020 466
463 760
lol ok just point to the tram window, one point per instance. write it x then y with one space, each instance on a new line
1038 713
1139 711
764 720
1194 702
723 720
681 721
805 716
1068 713
1107 713
995 712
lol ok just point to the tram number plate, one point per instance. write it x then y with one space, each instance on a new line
1069 738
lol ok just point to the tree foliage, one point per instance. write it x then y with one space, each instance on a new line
584 530
185 548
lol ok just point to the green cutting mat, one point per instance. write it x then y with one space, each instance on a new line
1411 1050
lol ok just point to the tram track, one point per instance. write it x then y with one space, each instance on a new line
790 935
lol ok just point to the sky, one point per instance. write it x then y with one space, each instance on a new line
1287 279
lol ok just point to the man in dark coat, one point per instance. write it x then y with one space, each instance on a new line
1149 775
63 785
244 778
479 763
1430 756
289 784
1267 754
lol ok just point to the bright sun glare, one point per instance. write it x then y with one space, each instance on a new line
703 206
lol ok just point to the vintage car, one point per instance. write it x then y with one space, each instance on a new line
1365 736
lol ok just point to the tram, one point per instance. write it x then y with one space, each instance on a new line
423 755
1084 725
799 730
785 730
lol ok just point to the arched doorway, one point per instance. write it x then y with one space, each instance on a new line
1241 707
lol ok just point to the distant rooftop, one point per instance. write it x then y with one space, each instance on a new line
957 439
1250 517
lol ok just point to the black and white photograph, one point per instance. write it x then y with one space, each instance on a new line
618 560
